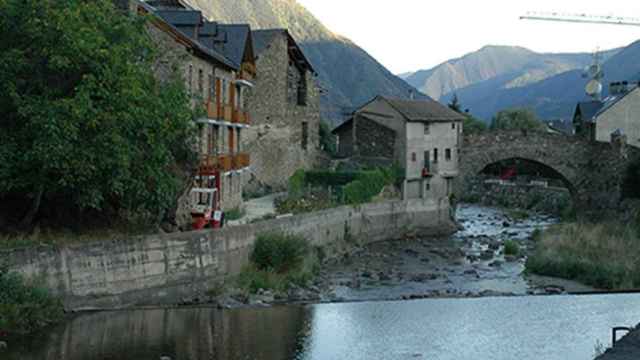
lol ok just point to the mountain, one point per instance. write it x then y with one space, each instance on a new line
349 74
553 97
504 66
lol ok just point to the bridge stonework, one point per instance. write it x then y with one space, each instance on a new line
593 172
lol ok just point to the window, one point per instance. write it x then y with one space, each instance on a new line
302 88
413 157
427 185
201 82
239 98
190 79
453 126
427 131
435 156
427 161
232 142
239 131
213 139
447 154
212 87
225 90
305 135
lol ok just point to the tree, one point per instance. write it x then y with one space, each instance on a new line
516 119
455 104
327 139
471 125
85 125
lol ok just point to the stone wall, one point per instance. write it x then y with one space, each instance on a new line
275 139
550 200
375 140
164 269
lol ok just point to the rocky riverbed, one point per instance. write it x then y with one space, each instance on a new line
469 263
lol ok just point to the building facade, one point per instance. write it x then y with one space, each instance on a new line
190 46
285 111
616 116
421 136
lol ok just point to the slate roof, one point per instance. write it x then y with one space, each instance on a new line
611 100
232 41
588 109
424 110
181 17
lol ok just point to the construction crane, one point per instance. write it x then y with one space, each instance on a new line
581 18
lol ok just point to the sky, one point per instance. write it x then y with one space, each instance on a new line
408 35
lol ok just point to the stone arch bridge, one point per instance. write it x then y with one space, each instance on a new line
593 172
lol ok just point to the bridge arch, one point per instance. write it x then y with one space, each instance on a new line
593 172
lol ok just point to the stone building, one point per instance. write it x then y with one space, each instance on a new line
217 68
617 116
421 136
285 111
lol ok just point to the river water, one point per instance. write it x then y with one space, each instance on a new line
505 328
451 324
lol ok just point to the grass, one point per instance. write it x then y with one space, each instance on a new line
601 255
279 262
511 248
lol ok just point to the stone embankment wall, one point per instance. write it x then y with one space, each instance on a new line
166 269
551 200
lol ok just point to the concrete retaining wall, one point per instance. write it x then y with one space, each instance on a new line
164 269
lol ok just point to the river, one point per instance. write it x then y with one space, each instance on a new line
368 320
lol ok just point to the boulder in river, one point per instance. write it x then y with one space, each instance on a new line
487 255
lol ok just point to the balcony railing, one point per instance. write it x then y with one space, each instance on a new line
212 110
225 162
227 113
241 161
208 165
240 117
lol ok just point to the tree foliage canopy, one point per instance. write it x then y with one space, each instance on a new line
516 119
84 123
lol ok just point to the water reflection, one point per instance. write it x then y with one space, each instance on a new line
523 328
183 334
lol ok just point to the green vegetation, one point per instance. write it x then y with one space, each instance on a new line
279 261
631 184
511 248
518 214
88 133
601 255
318 190
327 139
234 214
516 119
471 125
24 306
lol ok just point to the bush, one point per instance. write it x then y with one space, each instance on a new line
234 214
297 184
278 252
367 185
329 178
327 139
511 248
24 307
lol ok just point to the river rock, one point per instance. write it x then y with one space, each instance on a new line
496 264
3 346
411 252
506 224
472 258
494 245
423 277
554 290
510 258
472 272
487 255
384 276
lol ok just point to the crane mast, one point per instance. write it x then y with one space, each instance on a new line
582 18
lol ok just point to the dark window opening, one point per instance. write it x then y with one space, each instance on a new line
413 157
305 135
302 89
453 126
447 154
212 87
427 161
201 82
435 156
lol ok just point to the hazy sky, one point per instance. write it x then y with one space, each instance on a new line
407 35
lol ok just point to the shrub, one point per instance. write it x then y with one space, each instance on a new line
367 185
24 307
234 214
279 252
329 178
297 184
511 248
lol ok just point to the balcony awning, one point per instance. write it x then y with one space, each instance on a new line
243 82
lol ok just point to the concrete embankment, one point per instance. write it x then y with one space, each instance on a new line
627 348
171 268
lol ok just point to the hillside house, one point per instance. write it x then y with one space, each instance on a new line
422 136
615 116
217 66
285 110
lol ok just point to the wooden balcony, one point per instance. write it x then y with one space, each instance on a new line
212 110
247 71
227 113
240 117
241 161
208 165
225 162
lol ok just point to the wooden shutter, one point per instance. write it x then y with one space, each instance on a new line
218 94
